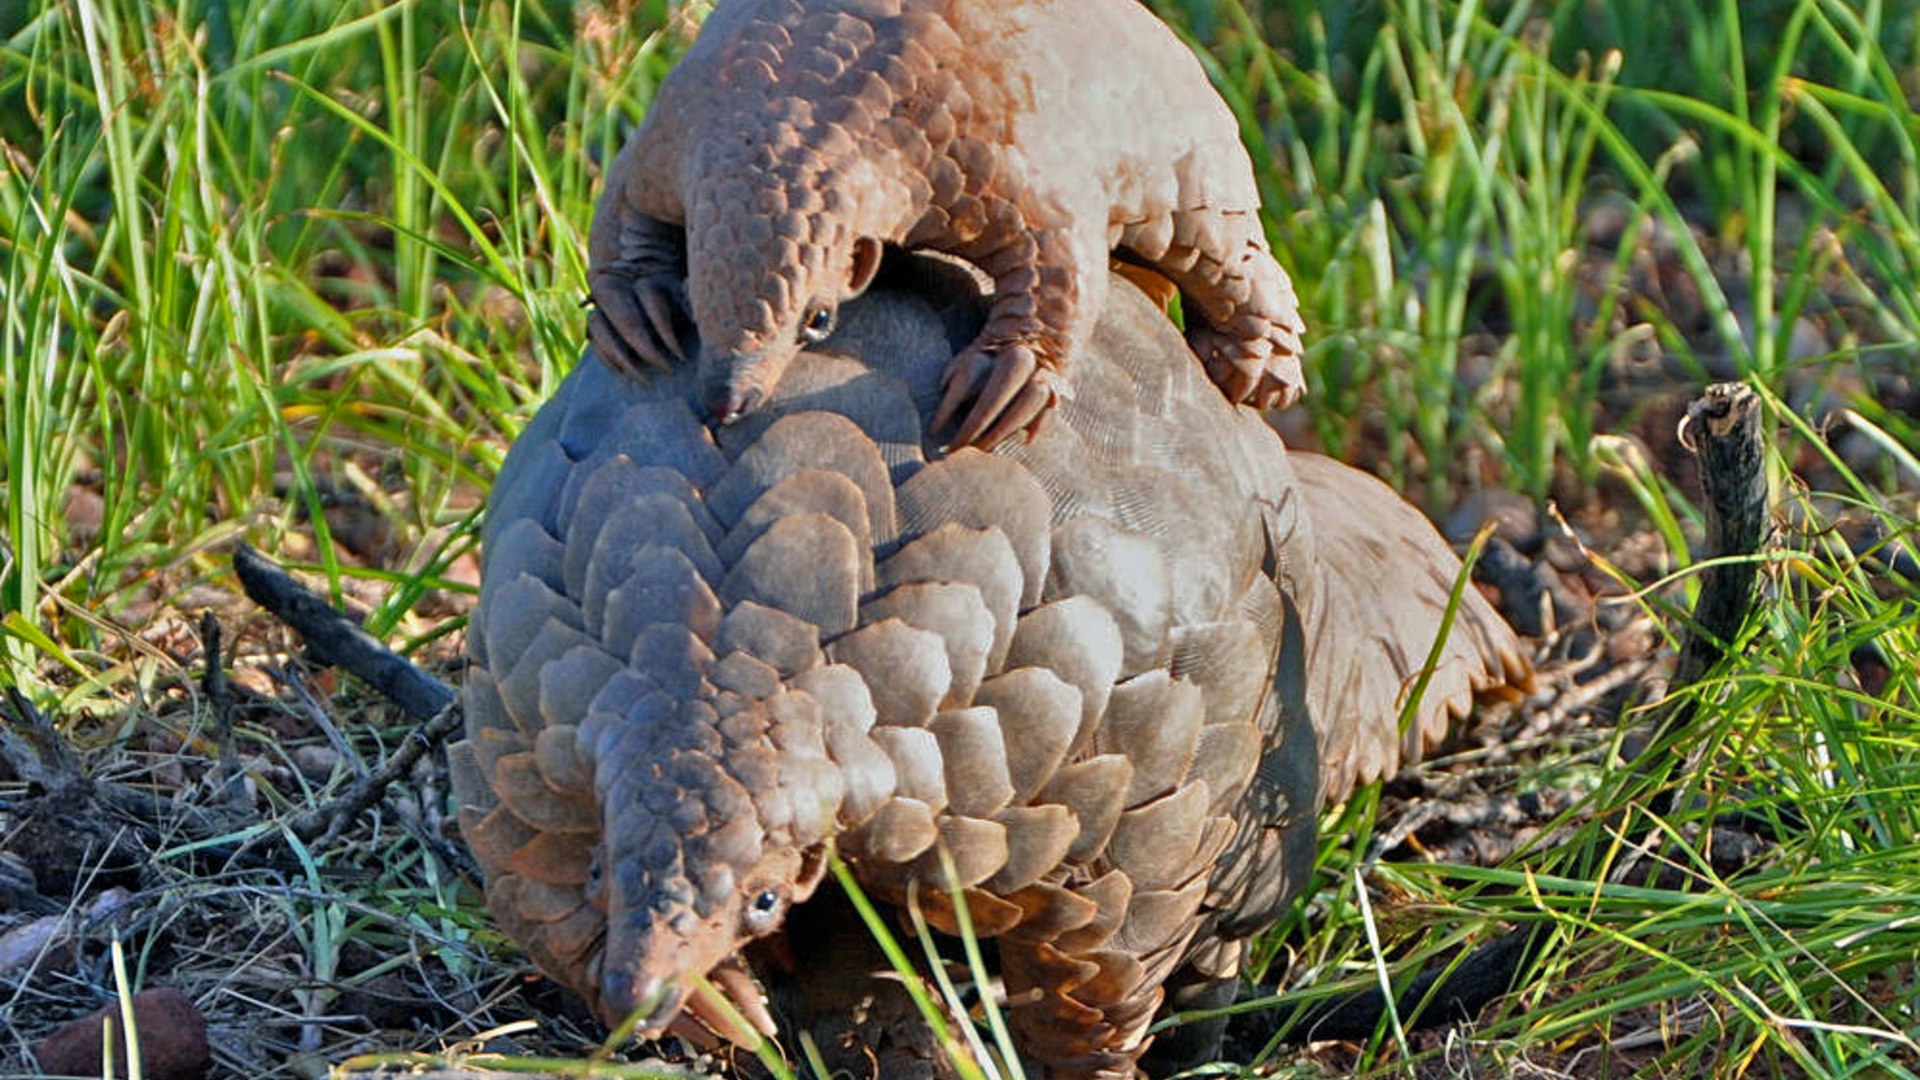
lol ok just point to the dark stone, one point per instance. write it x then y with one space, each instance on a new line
171 1032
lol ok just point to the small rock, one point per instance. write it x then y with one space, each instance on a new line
249 679
1515 519
172 1038
1807 342
315 762
84 511
109 903
1530 594
22 946
1604 220
26 943
1632 641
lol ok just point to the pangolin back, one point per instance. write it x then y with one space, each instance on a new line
1085 668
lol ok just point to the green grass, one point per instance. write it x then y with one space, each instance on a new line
1427 168
259 257
240 249
1803 962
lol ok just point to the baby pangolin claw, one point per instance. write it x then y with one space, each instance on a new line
1010 391
632 324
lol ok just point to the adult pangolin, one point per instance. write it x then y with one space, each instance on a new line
1031 139
1111 673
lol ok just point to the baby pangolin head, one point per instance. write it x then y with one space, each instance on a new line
710 834
763 287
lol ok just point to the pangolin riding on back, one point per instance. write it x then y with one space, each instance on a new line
1030 138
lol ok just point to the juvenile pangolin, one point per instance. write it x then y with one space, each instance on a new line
1031 139
1113 673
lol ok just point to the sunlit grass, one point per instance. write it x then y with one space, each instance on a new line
1429 167
296 234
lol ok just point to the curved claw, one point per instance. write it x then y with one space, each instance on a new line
633 322
1274 392
1275 381
662 305
1009 390
688 1026
735 982
1236 381
1242 386
962 379
1023 413
610 345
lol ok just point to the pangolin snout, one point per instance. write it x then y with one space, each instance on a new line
736 381
731 404
621 995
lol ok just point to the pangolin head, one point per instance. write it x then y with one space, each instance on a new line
764 286
708 838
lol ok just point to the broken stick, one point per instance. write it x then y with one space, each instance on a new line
335 640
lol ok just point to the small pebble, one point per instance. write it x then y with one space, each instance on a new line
1516 520
27 942
315 762
23 945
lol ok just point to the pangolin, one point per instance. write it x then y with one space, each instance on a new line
797 137
1111 674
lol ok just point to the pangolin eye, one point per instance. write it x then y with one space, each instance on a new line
763 911
816 324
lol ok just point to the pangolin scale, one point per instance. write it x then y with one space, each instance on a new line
1112 673
1029 138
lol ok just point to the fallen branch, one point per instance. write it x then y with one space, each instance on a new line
219 694
1722 429
336 641
328 821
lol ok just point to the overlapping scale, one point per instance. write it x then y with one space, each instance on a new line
1067 670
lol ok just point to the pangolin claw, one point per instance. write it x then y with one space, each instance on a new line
663 305
727 1008
1010 390
632 324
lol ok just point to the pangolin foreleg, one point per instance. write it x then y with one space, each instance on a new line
1014 371
639 296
